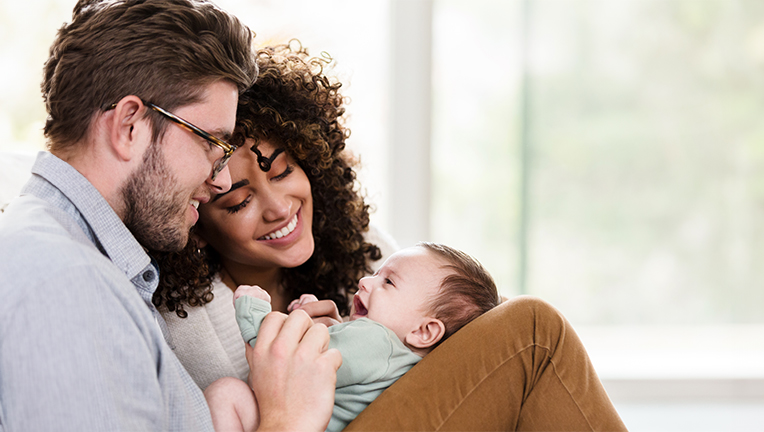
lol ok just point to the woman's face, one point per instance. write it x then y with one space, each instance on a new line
265 220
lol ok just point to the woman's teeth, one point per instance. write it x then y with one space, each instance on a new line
283 231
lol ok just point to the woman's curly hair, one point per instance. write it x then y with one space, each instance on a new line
293 105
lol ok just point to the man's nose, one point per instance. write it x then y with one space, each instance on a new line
221 183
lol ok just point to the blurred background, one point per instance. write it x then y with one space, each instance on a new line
605 155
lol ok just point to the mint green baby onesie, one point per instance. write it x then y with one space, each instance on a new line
372 358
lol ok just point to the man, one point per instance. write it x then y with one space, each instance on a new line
141 96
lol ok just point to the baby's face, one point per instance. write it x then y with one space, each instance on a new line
398 295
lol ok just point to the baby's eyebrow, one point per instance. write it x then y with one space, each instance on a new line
234 186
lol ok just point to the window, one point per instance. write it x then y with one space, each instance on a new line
607 157
643 164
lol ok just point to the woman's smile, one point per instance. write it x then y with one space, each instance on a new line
265 220
284 231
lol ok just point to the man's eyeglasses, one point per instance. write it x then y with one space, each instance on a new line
228 149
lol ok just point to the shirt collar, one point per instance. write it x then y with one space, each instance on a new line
106 228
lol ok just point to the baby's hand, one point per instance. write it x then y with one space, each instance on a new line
252 291
304 299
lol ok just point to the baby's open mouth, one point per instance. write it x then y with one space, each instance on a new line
360 309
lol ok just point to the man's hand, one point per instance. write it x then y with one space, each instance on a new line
292 373
321 311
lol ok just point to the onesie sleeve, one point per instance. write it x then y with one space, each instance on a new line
250 312
367 349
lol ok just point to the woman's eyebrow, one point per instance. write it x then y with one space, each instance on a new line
234 186
266 162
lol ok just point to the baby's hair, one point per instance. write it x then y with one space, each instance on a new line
466 293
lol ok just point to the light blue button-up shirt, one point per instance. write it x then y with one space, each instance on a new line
81 345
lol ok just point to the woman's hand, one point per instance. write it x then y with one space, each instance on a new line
321 311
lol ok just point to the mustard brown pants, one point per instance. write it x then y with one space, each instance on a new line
518 367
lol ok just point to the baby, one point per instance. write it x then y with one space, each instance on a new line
417 299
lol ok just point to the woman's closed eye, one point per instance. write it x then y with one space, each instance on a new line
288 170
235 208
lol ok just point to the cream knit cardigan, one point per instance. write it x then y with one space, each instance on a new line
208 342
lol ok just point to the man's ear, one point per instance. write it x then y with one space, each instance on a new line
429 332
127 136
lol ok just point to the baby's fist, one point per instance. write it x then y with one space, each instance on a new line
252 291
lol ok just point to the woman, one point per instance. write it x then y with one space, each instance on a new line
294 223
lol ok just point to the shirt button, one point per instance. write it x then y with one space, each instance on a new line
148 276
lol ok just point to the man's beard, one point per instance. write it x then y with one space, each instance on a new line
154 211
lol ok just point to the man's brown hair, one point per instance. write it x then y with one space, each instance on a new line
466 293
163 51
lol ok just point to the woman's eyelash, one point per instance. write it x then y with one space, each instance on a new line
233 209
237 207
388 281
289 169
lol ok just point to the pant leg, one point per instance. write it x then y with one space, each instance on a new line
518 367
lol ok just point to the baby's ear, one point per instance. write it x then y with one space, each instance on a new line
429 332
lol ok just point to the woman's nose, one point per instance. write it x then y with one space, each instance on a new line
276 206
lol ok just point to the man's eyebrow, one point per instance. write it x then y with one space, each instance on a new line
223 134
234 186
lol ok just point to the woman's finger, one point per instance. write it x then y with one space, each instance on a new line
292 305
322 308
307 298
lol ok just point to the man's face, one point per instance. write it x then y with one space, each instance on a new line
162 195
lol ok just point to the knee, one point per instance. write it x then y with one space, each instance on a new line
528 301
533 314
535 306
